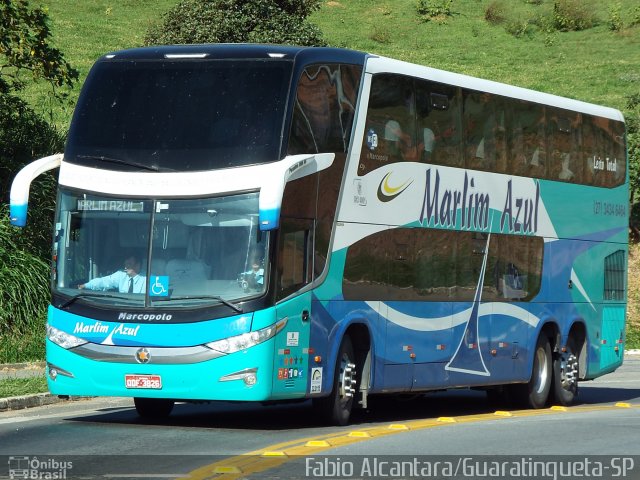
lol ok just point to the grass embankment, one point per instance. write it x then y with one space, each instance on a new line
633 306
86 30
24 347
595 65
518 46
14 387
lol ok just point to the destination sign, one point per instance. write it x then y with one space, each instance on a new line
110 206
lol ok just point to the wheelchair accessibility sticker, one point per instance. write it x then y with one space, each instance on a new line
159 286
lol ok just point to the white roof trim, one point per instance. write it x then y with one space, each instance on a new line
376 64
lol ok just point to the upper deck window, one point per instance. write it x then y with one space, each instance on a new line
324 108
416 120
184 115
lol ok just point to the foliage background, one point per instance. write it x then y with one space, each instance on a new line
581 49
238 21
26 55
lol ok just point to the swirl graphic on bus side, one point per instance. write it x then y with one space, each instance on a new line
386 193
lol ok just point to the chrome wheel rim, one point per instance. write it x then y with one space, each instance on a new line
347 382
568 370
542 372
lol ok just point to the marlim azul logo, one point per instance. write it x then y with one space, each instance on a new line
386 193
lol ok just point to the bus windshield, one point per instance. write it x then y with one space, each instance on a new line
159 253
182 115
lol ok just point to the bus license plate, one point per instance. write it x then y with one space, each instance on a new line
143 381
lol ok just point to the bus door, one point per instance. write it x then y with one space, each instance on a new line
294 271
418 311
613 310
512 281
291 348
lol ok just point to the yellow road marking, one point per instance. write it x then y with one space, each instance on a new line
502 413
317 443
397 426
222 469
276 455
447 420
559 408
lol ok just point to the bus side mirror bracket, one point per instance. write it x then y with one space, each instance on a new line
290 168
19 196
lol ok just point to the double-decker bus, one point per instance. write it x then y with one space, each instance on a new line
325 224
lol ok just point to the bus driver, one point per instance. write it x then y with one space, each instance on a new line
128 280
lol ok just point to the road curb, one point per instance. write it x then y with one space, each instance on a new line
22 366
36 400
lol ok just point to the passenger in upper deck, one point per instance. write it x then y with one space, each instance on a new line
128 280
402 143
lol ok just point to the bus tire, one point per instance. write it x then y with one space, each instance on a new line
535 393
153 408
336 408
565 375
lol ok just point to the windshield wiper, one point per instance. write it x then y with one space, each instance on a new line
88 294
119 161
209 297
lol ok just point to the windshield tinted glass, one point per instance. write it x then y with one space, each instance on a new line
181 115
164 253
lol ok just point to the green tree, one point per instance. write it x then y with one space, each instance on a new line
632 116
26 55
24 280
238 21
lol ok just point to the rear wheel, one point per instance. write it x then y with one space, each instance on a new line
536 393
565 375
336 408
153 408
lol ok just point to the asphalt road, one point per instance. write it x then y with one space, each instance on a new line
105 436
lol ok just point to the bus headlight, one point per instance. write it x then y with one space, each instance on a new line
246 340
63 339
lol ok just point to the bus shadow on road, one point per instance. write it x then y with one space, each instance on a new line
592 395
278 417
250 416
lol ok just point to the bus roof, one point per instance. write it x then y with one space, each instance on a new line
224 51
374 64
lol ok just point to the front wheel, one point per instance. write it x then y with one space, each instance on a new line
535 393
153 408
565 375
336 408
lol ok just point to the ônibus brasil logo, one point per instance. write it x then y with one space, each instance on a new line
386 192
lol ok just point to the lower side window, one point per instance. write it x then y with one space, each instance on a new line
442 265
